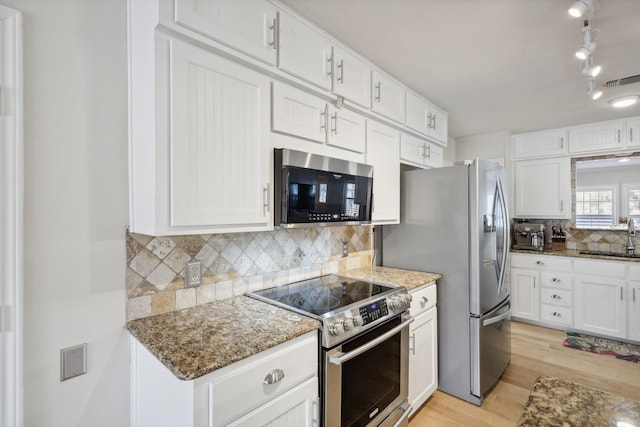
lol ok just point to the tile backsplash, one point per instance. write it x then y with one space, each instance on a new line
588 239
235 263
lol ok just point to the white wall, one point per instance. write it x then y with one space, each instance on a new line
486 146
75 209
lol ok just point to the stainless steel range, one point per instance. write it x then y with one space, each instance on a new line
364 346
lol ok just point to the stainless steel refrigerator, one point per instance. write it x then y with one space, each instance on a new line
454 221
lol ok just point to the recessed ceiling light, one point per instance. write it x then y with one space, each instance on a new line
626 159
624 101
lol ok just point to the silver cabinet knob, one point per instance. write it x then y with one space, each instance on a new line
424 300
274 376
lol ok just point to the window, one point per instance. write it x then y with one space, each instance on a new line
595 207
631 201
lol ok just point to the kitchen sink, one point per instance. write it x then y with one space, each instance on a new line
605 253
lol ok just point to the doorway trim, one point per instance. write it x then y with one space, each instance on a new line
11 217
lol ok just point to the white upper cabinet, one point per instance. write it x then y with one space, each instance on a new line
351 77
633 133
383 148
543 188
304 52
347 130
387 97
248 25
219 143
299 113
596 137
540 144
418 152
426 118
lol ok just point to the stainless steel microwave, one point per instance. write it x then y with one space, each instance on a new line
312 189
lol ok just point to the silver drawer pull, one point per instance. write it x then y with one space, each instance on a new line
425 300
556 314
555 279
539 262
556 296
274 376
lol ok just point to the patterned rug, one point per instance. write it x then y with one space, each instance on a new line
620 350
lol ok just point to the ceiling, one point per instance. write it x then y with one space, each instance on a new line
493 65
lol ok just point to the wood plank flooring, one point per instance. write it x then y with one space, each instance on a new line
535 351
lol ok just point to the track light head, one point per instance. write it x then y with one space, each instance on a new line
580 7
585 51
592 91
589 68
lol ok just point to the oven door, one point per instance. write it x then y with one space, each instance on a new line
366 378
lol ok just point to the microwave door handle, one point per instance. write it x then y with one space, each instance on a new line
340 357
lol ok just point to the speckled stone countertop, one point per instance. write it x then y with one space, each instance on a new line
393 276
576 254
556 402
198 340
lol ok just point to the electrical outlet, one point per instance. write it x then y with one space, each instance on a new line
345 249
193 273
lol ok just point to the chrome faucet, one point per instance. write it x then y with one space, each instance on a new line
631 231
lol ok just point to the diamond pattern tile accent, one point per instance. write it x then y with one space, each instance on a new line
234 263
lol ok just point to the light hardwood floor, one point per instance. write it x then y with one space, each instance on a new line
535 351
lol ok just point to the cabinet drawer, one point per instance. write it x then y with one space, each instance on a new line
634 271
555 279
556 296
600 268
241 387
550 313
423 299
541 262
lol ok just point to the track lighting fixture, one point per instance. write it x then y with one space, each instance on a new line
589 45
593 92
589 68
580 7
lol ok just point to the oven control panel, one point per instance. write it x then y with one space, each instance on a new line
374 311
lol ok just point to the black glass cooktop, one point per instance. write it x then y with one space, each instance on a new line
321 295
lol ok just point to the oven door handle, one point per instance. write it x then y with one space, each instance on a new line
340 357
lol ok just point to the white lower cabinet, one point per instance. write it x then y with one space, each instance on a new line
423 342
383 153
600 305
235 395
542 289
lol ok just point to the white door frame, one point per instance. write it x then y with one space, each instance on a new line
11 217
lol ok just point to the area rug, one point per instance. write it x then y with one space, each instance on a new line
620 350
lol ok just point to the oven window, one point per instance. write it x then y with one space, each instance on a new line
371 381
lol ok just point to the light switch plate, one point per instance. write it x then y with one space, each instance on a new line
73 361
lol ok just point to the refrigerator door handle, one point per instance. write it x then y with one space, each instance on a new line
505 235
498 318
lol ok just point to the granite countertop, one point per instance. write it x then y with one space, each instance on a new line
198 340
393 276
556 402
576 254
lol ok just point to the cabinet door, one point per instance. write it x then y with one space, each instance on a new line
299 113
248 26
596 137
543 188
634 310
383 153
633 133
304 52
296 407
219 143
412 150
540 144
600 305
434 155
423 358
418 115
347 130
387 97
351 77
525 294
439 125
